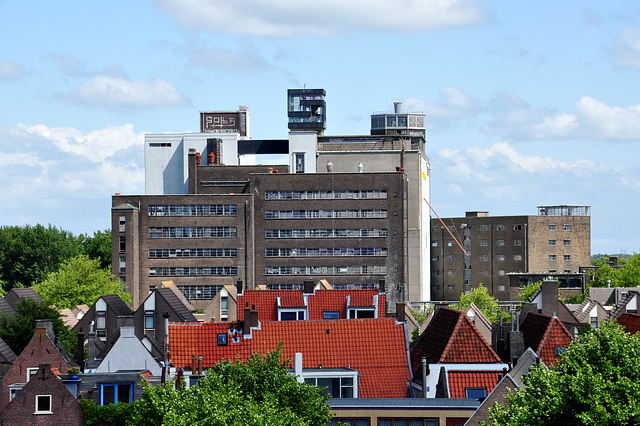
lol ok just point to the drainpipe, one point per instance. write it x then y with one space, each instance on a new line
425 373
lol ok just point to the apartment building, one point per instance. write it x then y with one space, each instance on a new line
483 249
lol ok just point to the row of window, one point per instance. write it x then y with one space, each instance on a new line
326 233
192 271
207 252
307 252
332 214
452 287
516 227
193 232
482 257
565 242
199 291
500 243
409 421
553 257
331 270
193 210
483 272
314 195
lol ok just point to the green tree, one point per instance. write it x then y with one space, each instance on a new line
29 253
481 298
98 247
79 280
17 330
260 392
597 382
529 290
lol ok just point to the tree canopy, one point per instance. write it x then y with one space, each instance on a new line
597 382
627 276
260 392
17 330
80 280
482 299
28 253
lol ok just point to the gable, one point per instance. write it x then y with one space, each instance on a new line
460 380
556 336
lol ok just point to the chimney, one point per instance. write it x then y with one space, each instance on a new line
400 312
549 297
200 365
308 286
613 261
80 350
297 365
194 364
250 319
91 345
381 286
239 286
47 325
198 158
211 159
516 344
397 107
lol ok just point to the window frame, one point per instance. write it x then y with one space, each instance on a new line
38 409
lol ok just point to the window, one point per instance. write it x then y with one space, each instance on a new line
517 257
500 272
484 257
434 244
149 321
299 162
123 264
101 324
361 313
451 257
122 221
435 228
475 393
567 271
449 243
501 287
291 315
435 272
484 272
335 421
31 372
330 315
499 227
116 393
517 227
123 244
552 227
567 242
451 287
407 422
500 243
337 387
567 257
484 243
500 257
222 339
517 243
451 272
553 271
484 228
451 228
552 242
594 322
552 257
43 404
566 227
435 258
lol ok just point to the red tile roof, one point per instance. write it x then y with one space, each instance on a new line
544 334
631 322
265 302
460 379
452 338
377 348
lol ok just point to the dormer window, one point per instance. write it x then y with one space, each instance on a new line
475 393
149 322
101 324
291 315
330 314
361 313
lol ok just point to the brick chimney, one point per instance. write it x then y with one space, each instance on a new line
250 319
549 297
308 286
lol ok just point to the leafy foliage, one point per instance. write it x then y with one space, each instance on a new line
119 414
18 330
29 253
260 392
481 298
627 276
529 290
597 382
80 280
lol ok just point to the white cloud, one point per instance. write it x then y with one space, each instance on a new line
115 92
64 177
248 60
625 50
291 18
96 146
591 119
11 70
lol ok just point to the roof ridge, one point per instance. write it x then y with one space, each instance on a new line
455 331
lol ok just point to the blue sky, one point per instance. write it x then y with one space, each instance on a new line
527 103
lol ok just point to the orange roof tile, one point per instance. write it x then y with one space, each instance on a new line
377 348
291 300
452 338
631 322
544 334
460 379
